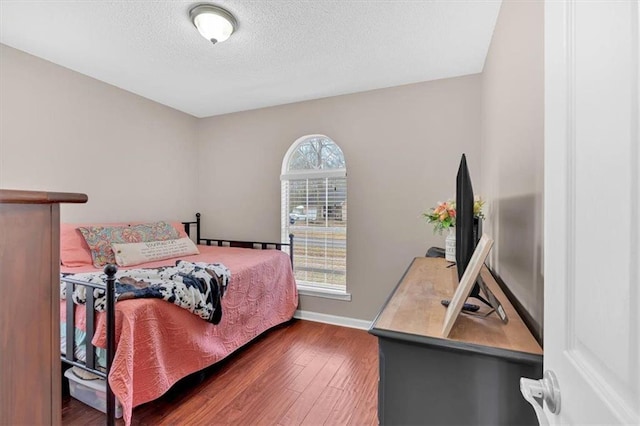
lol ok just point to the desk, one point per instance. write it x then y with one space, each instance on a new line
471 377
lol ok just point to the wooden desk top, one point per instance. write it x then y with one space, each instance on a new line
414 308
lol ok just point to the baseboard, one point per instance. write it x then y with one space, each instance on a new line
333 319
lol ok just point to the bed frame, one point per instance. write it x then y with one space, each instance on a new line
109 288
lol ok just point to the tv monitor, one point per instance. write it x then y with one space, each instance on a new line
465 239
468 234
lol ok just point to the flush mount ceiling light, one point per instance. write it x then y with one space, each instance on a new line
214 23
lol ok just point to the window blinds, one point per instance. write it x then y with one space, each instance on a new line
315 210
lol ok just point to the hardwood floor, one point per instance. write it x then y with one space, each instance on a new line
302 373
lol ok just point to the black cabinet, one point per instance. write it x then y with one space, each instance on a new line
471 377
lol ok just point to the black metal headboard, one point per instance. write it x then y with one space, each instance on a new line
187 227
260 245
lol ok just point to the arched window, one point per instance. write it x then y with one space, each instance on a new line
314 209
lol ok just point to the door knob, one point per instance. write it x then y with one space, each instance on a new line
537 391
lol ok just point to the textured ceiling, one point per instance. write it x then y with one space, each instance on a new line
282 52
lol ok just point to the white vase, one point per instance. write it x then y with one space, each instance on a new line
450 245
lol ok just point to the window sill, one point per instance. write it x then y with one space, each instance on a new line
323 292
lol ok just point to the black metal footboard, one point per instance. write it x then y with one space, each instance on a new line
90 349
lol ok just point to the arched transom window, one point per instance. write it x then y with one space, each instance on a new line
314 209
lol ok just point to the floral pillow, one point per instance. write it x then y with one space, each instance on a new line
100 238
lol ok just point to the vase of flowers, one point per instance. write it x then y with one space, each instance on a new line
443 217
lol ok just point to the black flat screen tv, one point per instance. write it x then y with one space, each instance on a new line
467 233
465 241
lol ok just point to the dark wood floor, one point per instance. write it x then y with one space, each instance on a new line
301 373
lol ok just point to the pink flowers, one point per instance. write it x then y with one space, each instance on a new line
444 210
443 216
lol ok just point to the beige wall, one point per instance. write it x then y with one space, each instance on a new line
63 131
60 130
512 150
402 146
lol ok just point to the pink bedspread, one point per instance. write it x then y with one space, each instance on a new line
159 343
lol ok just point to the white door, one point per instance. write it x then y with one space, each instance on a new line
592 210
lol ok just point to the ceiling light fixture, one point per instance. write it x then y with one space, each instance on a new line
214 23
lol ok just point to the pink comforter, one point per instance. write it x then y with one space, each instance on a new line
159 343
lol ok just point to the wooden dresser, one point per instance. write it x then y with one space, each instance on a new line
471 377
29 306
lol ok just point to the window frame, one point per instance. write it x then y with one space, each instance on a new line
287 175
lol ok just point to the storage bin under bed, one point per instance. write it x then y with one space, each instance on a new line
91 392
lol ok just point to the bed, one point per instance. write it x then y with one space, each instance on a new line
144 346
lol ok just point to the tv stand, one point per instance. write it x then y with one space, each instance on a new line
493 302
471 377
